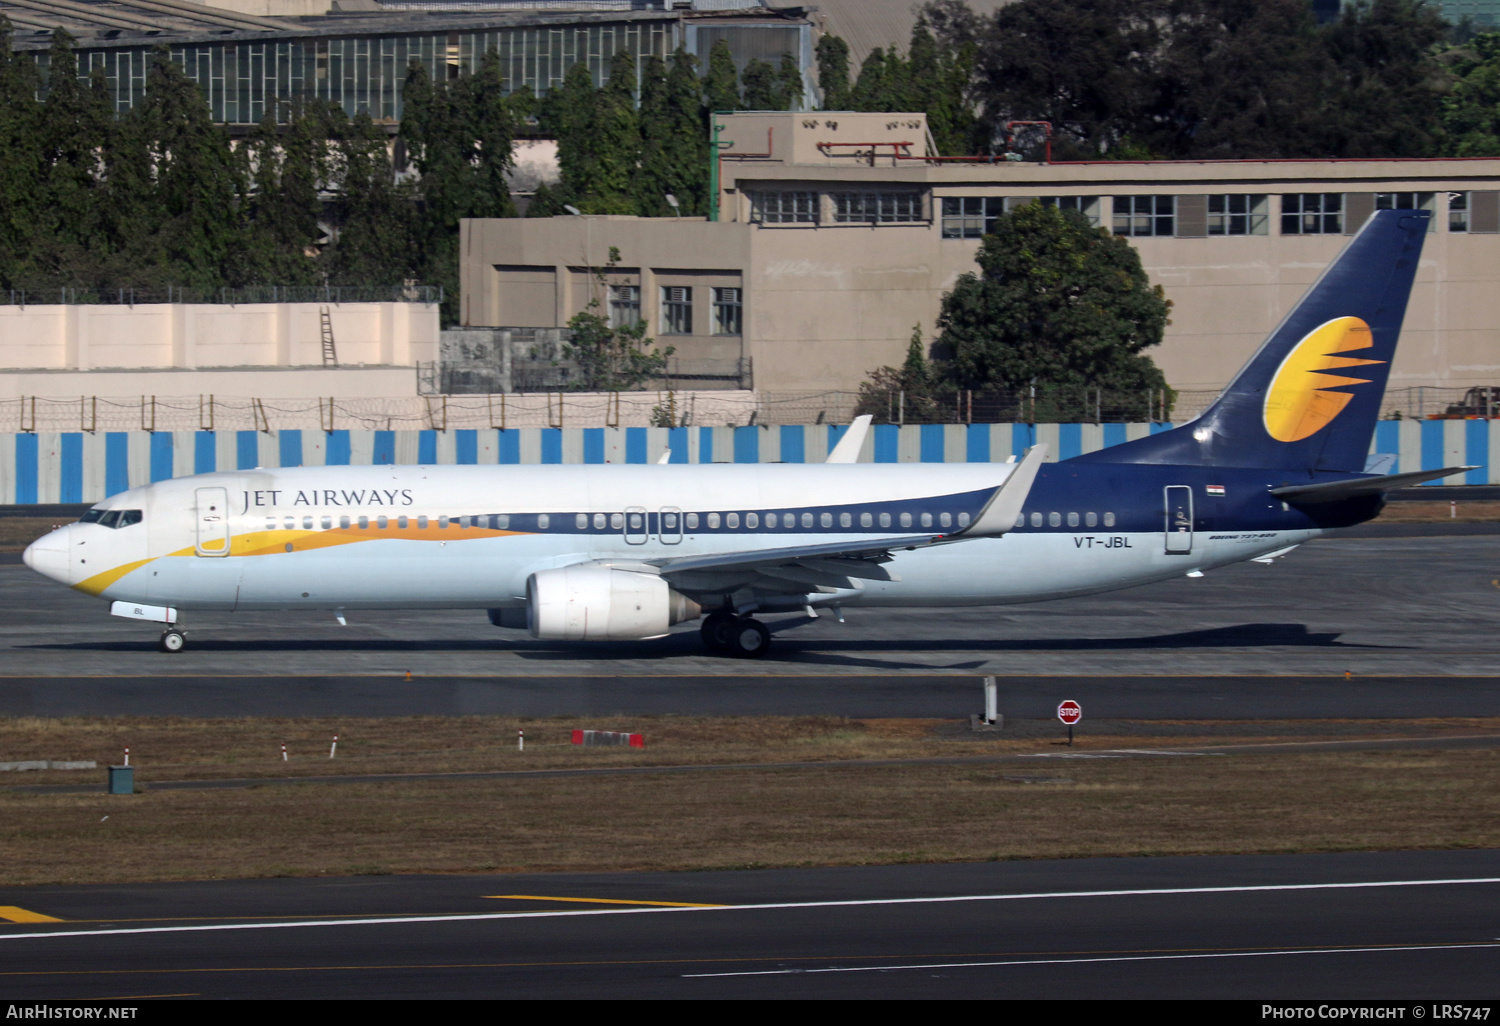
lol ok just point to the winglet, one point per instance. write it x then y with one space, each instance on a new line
847 451
1004 508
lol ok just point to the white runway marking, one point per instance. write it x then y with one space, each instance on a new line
1080 961
855 903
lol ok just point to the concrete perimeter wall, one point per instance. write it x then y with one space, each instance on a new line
74 466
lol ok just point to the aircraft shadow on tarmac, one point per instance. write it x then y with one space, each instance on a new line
828 649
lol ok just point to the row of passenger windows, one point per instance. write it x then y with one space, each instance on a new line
1056 520
326 523
669 522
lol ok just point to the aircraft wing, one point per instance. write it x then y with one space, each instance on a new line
1333 491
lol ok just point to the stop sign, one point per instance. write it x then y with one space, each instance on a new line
1070 712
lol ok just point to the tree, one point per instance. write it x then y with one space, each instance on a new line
66 246
790 88
833 73
20 159
1471 112
881 85
1058 304
289 173
610 358
721 85
904 393
762 90
674 148
374 240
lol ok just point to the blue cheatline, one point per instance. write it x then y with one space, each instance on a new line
677 440
977 444
427 448
385 448
161 455
793 443
289 445
747 445
593 445
932 438
246 450
26 468
70 467
552 445
1432 446
466 446
887 443
509 446
637 440
339 449
1477 450
116 462
1388 439
205 452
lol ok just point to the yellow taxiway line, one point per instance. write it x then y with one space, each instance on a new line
600 901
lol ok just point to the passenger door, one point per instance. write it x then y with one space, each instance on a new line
1179 520
213 521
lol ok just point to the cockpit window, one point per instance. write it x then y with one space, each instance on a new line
111 518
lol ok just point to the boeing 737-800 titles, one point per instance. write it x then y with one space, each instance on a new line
582 553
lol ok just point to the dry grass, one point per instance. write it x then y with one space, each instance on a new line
835 815
182 748
1468 511
18 532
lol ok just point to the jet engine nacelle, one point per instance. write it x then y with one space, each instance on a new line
596 603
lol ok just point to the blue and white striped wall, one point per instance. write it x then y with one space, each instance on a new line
50 467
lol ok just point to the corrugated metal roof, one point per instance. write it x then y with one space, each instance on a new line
866 24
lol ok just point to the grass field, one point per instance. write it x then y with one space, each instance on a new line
841 813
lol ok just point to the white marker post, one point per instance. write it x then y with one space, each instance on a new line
127 756
334 747
520 740
991 701
283 753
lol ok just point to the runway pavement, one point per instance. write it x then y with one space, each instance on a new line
1401 925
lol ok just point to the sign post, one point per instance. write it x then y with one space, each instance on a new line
1070 712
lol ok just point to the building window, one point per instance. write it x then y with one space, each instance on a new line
969 217
1145 215
1237 215
1458 211
729 311
624 306
1403 201
784 207
1088 206
676 310
1312 213
871 207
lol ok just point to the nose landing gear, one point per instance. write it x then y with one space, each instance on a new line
172 640
740 636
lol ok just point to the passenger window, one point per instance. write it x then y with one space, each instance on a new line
807 520
543 521
328 523
600 521
1021 520
732 520
770 519
963 520
1036 520
307 523
443 522
845 520
825 519
926 519
752 520
1054 519
692 521
885 520
402 523
945 519
669 522
344 522
1072 519
270 524
382 523
581 521
1109 520
1091 519
865 520
501 522
713 521
364 522
617 521
905 519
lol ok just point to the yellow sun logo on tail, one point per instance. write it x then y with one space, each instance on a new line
1299 403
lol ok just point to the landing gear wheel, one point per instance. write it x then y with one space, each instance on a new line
717 631
750 639
173 640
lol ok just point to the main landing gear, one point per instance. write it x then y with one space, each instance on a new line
173 640
724 633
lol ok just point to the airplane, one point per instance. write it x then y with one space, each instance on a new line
624 552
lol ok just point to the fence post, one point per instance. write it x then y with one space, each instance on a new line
901 407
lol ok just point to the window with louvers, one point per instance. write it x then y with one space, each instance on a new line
676 310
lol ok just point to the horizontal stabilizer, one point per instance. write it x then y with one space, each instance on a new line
1333 491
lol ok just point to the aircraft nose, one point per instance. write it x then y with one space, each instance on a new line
49 556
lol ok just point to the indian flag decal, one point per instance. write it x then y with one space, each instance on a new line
1214 490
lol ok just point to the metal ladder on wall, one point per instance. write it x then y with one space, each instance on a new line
330 355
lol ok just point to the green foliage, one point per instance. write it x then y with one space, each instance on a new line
611 359
674 147
914 385
833 73
762 90
1056 303
721 85
1471 111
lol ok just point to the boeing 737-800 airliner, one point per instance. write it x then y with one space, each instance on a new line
582 553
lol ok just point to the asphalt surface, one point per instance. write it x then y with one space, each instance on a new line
1400 925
